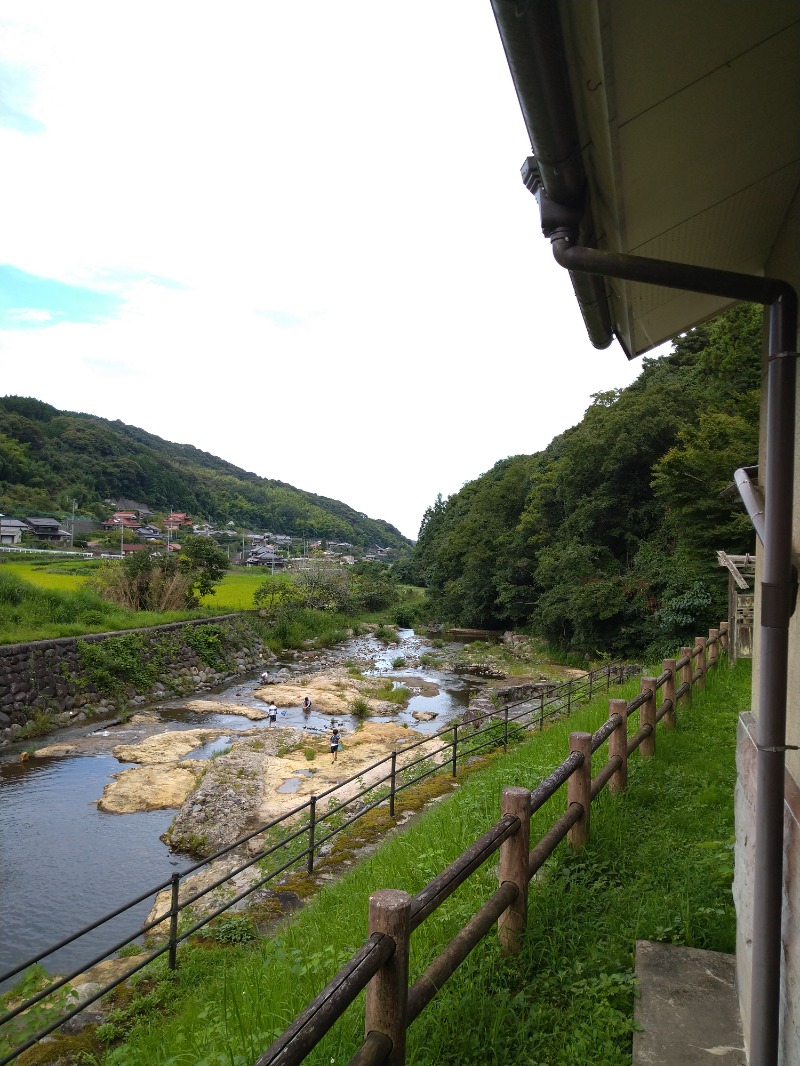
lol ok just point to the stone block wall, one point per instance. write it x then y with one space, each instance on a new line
69 679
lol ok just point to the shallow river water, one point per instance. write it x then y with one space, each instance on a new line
64 863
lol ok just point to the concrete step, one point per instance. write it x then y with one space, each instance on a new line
687 1008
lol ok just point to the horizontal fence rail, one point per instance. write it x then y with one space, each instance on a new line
391 1004
442 751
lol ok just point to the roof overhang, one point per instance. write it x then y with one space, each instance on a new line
671 129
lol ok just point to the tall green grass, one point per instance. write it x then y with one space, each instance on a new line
29 612
658 866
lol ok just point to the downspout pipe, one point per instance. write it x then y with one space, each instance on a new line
751 498
776 591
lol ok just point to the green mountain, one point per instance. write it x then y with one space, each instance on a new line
605 542
49 458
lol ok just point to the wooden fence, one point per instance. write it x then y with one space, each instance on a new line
303 833
381 965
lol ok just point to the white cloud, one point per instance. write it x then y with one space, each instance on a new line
363 305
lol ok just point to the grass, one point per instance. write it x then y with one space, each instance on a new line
47 576
43 611
658 866
236 589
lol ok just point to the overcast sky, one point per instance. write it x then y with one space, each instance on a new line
291 234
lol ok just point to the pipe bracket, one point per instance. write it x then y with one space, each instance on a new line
777 748
778 602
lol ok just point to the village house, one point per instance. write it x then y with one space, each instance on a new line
11 530
47 529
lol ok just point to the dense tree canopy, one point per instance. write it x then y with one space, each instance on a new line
605 541
50 457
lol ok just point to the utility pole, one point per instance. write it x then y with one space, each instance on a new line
72 527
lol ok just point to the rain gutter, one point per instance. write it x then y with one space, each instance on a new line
531 35
530 32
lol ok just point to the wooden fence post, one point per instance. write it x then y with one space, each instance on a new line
713 648
724 633
579 788
686 677
618 745
387 992
647 716
514 867
668 689
700 642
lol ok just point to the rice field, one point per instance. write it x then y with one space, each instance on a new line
40 576
234 592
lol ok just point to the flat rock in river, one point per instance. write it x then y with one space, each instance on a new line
224 707
150 788
166 747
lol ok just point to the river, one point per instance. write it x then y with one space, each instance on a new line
64 863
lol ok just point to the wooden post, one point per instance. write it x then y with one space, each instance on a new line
668 691
700 642
647 716
618 745
686 677
724 633
514 867
173 922
713 649
579 788
387 992
312 825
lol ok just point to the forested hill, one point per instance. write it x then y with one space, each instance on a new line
605 542
50 457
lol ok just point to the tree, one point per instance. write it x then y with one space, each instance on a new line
324 587
605 540
150 580
276 596
144 581
204 563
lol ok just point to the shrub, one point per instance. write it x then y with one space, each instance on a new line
359 708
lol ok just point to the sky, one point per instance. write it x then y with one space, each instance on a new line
293 235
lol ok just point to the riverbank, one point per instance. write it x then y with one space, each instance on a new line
74 793
233 1000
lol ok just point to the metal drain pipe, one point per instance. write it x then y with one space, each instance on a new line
776 590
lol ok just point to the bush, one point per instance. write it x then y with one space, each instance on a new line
359 708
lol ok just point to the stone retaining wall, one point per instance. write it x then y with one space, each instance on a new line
55 682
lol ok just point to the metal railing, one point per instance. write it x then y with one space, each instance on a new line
381 965
319 825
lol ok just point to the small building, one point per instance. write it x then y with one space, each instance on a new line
46 529
11 530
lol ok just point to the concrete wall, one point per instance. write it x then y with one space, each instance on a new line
784 263
59 679
745 802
